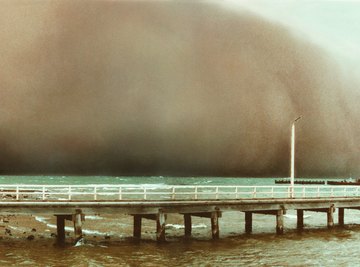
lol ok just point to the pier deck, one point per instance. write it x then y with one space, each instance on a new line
70 202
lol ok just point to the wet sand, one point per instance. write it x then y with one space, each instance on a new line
95 228
23 227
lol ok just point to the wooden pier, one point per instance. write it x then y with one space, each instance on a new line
156 202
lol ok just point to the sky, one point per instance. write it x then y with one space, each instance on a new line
335 25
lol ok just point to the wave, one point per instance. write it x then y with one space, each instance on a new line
291 216
70 229
181 226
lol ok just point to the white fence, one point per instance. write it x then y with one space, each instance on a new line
167 192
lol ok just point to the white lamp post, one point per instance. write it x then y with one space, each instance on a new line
292 168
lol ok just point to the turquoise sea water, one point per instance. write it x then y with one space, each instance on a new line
76 180
41 179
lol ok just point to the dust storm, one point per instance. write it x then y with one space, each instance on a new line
167 88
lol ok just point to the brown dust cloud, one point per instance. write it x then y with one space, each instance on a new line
167 88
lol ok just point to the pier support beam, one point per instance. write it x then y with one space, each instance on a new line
214 217
341 216
159 218
137 226
300 219
280 222
215 225
279 217
160 226
330 216
187 224
248 222
60 227
78 218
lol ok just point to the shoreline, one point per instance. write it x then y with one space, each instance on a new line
95 228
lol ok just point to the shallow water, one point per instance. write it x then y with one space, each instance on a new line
314 246
311 248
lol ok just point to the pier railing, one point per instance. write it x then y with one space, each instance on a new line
167 192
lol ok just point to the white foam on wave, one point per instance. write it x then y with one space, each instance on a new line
204 182
135 186
40 219
68 228
181 226
90 217
290 216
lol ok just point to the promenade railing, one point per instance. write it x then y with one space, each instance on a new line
109 192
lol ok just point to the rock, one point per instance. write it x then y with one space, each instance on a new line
31 237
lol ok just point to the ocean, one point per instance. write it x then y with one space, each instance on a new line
108 239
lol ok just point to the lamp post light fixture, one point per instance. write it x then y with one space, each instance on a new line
292 159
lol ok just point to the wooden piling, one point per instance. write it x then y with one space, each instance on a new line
137 226
330 216
300 219
78 218
160 226
187 224
60 228
280 221
341 216
214 217
248 222
215 225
